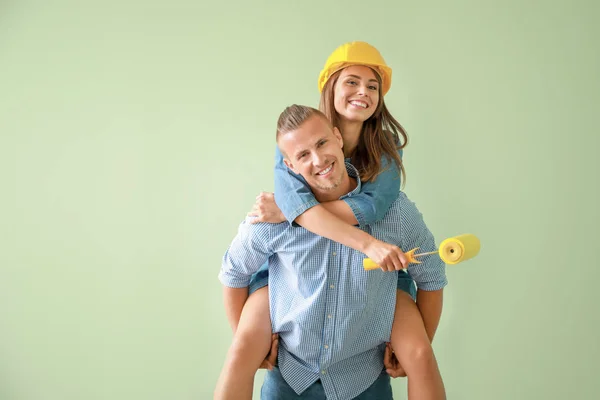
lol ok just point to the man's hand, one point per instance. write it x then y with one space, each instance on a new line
269 362
391 363
387 256
265 209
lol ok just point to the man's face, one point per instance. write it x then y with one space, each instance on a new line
314 150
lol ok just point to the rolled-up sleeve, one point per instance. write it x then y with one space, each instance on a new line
376 197
430 274
248 251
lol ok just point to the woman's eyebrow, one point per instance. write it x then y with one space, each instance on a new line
358 77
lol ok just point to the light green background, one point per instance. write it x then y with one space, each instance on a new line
135 136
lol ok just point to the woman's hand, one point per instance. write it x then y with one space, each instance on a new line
271 360
387 256
265 209
391 363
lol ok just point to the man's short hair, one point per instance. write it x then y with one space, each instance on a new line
294 116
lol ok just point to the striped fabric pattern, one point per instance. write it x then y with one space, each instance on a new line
332 316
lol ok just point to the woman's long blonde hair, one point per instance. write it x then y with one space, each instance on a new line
381 134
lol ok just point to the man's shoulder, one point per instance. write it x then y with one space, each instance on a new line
275 237
402 208
264 230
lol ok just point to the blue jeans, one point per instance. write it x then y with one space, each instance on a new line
276 388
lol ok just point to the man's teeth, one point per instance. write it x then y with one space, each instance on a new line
325 171
359 104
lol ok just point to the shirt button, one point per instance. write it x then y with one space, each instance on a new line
331 286
323 372
329 316
326 346
334 253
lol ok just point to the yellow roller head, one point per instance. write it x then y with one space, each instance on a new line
459 248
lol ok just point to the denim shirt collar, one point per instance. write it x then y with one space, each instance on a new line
353 173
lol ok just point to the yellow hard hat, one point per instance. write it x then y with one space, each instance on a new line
356 53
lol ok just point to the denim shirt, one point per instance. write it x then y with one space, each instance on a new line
294 197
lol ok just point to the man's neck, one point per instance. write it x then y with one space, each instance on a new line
348 184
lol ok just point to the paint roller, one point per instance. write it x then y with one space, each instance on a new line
452 251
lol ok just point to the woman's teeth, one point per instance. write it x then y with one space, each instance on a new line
359 103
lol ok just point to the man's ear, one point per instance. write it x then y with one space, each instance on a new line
338 136
289 165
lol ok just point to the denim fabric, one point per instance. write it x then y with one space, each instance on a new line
276 388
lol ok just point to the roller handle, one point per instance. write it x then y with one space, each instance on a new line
370 265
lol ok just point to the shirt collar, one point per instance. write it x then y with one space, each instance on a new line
353 173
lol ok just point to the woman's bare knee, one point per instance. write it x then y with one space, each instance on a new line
418 357
252 336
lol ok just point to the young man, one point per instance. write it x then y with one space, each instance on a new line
333 317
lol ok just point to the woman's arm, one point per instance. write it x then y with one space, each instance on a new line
294 198
333 220
265 209
368 206
376 197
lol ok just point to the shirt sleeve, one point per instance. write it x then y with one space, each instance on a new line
292 194
430 274
248 251
376 197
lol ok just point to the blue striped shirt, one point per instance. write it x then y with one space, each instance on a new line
332 316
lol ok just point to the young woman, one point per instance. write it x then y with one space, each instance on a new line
352 84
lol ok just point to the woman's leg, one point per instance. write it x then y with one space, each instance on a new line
250 346
413 350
